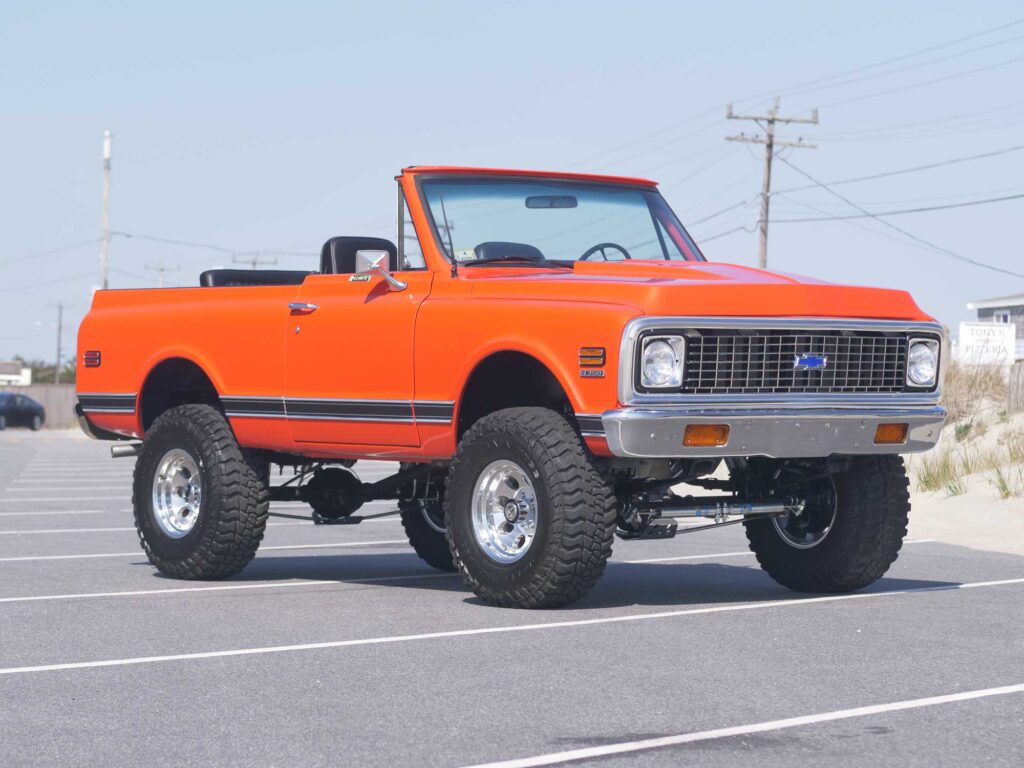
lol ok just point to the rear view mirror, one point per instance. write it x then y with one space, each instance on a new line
368 260
552 201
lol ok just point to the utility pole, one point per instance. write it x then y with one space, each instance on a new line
767 122
60 328
105 236
254 260
161 269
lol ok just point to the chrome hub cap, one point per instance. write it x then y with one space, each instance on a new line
810 527
504 511
177 493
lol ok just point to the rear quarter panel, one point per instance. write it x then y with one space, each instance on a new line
236 335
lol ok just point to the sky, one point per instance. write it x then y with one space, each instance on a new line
268 127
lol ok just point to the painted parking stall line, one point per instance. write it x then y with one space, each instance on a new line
227 588
618 619
643 745
265 585
279 547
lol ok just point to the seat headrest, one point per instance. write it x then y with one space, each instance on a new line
338 256
497 249
221 278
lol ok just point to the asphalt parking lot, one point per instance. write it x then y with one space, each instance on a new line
337 646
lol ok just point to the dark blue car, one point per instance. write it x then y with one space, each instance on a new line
20 411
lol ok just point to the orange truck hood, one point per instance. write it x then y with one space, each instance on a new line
694 288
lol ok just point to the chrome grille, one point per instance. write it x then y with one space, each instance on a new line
729 361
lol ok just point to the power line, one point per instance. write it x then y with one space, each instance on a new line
703 240
51 251
890 225
903 57
922 84
716 214
922 209
796 86
920 123
914 169
55 281
896 71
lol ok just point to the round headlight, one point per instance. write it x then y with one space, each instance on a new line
662 364
922 362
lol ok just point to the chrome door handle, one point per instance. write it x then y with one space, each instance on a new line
301 308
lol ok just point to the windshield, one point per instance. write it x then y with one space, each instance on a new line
488 220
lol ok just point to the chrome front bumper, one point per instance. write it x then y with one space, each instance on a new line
779 432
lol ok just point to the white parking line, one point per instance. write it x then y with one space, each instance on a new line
745 553
620 619
226 587
62 512
605 750
29 558
29 532
78 495
133 593
76 491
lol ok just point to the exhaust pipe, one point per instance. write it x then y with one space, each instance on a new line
123 451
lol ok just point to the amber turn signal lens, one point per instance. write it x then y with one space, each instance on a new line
706 434
891 434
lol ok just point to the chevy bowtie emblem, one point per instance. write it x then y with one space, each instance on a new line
806 362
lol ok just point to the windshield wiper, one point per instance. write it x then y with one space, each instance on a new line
518 261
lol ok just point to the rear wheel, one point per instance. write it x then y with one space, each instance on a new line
200 500
37 423
530 519
424 524
849 533
3 422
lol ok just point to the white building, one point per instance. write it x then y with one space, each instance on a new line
12 374
1003 309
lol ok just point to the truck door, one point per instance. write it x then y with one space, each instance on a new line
349 364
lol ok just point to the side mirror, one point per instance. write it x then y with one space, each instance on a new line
376 263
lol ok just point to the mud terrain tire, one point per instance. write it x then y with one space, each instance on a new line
871 508
574 510
234 503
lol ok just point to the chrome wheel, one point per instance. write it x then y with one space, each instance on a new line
810 527
177 493
504 511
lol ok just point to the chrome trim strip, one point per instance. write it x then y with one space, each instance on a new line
627 353
779 432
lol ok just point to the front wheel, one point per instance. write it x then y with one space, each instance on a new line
847 535
530 519
200 501
37 423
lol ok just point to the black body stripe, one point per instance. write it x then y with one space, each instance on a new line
111 403
253 406
316 409
590 424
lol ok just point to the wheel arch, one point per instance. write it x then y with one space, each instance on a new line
510 378
175 380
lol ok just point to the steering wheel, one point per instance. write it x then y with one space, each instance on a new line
601 247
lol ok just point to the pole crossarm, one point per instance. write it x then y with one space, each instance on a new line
776 143
769 141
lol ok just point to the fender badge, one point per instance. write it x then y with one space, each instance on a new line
591 373
359 278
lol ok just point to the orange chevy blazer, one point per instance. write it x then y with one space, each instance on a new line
547 357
